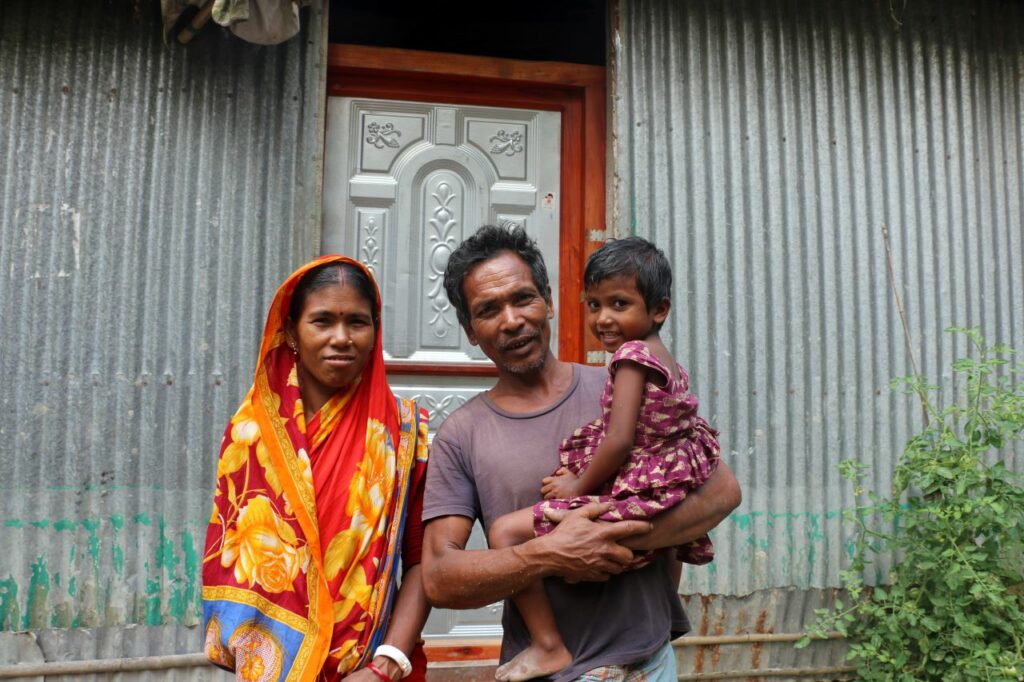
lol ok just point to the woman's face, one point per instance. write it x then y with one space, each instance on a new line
333 338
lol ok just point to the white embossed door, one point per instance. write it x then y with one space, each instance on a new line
404 183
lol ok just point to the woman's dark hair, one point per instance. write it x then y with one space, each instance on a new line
635 257
326 275
488 242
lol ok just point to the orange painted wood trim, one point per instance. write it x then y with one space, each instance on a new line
595 208
452 650
355 57
576 91
464 369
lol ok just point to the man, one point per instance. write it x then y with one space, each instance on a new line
489 457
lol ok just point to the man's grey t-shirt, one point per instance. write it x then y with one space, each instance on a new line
485 462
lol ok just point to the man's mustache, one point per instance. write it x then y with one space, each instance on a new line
518 341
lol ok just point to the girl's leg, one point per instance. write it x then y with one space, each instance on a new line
511 529
546 653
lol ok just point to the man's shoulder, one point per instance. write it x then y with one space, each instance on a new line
591 375
590 371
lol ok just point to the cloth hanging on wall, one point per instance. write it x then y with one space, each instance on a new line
265 22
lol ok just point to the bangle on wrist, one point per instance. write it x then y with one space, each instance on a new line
378 672
396 655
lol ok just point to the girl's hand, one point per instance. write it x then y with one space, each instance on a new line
563 484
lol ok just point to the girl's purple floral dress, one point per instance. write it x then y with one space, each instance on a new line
674 452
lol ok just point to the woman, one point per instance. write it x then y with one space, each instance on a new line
319 491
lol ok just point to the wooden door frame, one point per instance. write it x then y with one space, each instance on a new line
577 91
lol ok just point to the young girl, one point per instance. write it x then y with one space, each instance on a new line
643 455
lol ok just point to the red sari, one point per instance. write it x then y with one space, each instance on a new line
301 561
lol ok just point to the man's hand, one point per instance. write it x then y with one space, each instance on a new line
586 549
560 486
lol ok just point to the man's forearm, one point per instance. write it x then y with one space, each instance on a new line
577 549
698 513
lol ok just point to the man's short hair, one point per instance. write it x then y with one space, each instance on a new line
488 242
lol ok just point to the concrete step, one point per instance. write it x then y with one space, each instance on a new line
461 672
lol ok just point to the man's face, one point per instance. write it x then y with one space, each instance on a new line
508 316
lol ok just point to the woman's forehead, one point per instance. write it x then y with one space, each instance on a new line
338 296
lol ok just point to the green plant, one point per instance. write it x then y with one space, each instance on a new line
952 606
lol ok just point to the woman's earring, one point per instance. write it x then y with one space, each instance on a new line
295 349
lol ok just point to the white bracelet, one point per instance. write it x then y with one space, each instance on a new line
396 655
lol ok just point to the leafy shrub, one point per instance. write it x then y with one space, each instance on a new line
952 607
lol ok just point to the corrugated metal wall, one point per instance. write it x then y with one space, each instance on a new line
153 196
765 144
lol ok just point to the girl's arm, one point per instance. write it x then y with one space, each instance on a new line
627 399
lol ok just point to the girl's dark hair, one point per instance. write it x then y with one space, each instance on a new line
488 242
636 257
326 275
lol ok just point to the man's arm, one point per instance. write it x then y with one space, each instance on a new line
699 512
577 549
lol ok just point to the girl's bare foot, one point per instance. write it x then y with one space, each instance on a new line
533 661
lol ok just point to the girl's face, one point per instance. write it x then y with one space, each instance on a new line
616 312
333 338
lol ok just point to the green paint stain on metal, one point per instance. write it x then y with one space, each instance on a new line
184 593
117 556
813 536
172 573
188 545
152 601
165 556
92 525
38 593
744 520
9 612
116 551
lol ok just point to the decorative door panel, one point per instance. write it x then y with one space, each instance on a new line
404 183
